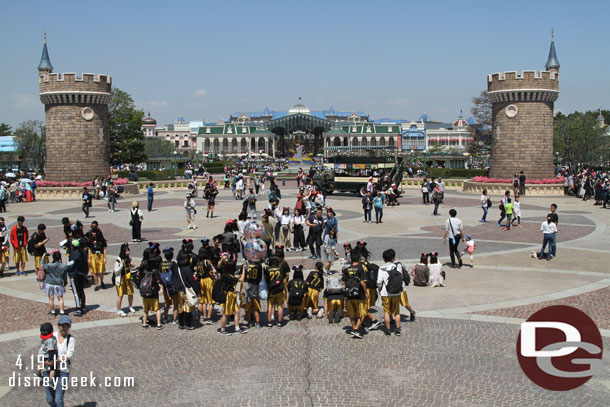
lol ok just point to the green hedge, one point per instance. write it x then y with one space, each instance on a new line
455 173
157 175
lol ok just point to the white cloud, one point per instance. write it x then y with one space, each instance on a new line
159 103
25 101
200 92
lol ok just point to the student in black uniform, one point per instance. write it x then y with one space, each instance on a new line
275 278
315 283
149 289
39 240
207 275
354 279
251 275
186 278
334 303
371 270
230 306
170 296
296 294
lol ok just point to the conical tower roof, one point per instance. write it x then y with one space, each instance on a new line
45 62
552 61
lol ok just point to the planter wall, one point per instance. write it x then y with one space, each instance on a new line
74 192
499 189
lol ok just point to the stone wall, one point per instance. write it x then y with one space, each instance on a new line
524 142
499 189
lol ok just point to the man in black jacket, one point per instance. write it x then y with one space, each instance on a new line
78 274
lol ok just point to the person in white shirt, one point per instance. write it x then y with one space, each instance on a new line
65 351
298 223
285 233
454 231
390 300
484 205
436 278
549 230
239 188
516 211
189 206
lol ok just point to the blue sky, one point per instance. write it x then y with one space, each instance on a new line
397 59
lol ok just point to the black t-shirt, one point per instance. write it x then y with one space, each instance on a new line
315 280
21 236
39 251
204 267
254 272
554 217
96 244
229 282
214 256
355 272
318 222
272 275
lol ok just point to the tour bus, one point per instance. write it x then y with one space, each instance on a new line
348 168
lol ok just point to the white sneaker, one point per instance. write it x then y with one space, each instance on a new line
121 313
132 310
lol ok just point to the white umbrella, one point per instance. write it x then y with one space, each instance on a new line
10 175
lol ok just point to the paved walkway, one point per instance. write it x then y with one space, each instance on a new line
459 352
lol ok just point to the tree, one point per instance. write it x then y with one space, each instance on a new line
125 127
30 138
158 147
578 138
481 112
5 130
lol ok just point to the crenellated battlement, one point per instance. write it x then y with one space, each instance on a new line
72 82
512 80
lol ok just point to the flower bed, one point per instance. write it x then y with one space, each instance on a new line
486 180
118 181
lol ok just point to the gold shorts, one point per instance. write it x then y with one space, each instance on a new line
253 305
357 308
297 308
391 305
404 299
230 305
150 304
20 255
312 298
370 303
276 300
334 305
176 301
97 266
38 261
167 301
183 301
125 288
5 256
205 294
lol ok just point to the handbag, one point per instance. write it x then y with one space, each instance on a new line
452 232
489 203
191 296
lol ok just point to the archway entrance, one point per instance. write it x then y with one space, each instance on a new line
299 127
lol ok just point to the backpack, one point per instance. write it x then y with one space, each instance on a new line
218 292
231 245
146 285
352 288
394 284
166 279
272 196
276 285
30 245
297 292
136 277
372 270
334 286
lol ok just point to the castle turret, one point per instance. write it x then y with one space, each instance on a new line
552 63
76 113
522 121
45 63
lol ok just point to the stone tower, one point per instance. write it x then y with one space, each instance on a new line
522 120
76 111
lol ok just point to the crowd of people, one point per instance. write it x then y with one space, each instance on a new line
587 184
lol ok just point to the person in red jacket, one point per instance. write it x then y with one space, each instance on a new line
19 240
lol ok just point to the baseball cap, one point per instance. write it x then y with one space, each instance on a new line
64 319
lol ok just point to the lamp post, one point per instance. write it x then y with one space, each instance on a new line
556 157
175 162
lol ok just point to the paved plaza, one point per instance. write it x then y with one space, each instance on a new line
460 351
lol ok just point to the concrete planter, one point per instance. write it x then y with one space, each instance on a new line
74 192
499 189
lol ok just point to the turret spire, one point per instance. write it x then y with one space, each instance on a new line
45 62
552 63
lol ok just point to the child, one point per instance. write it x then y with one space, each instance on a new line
48 350
329 250
275 276
517 211
169 268
315 283
470 246
149 288
333 300
230 306
207 275
296 294
508 208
